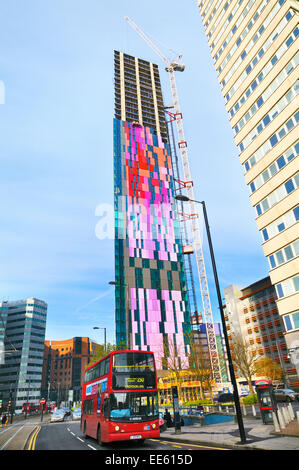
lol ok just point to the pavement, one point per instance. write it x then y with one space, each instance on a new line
259 436
15 436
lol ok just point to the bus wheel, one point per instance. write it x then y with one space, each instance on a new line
99 437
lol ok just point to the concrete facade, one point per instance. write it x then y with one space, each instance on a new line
254 45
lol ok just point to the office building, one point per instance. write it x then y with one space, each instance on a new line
63 368
23 327
251 312
151 301
254 45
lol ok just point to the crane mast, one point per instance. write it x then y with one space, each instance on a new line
173 66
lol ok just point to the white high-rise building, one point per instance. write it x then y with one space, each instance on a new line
254 45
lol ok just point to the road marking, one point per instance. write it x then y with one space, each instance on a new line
7 442
33 438
80 439
73 433
93 448
193 445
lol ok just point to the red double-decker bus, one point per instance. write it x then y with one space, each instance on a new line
120 398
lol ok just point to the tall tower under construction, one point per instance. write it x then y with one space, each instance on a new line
151 305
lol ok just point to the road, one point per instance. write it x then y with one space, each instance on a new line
68 436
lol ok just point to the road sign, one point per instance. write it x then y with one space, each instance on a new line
42 401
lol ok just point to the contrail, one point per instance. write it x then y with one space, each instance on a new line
103 294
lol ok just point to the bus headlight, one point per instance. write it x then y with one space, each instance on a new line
154 426
116 428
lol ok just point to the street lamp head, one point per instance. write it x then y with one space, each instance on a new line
181 197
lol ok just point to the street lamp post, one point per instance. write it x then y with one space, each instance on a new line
102 328
230 364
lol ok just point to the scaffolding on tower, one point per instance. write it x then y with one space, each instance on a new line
171 67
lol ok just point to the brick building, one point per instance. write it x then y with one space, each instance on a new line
63 367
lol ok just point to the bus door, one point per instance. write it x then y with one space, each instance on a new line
104 418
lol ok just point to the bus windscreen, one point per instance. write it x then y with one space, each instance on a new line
139 406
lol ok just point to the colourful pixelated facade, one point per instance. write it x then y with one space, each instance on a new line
151 299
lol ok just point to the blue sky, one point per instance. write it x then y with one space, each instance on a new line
56 152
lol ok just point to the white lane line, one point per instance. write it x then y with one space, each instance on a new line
7 442
93 448
80 439
73 433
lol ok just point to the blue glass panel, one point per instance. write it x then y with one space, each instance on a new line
259 102
261 53
273 140
289 185
281 227
281 162
258 210
259 128
279 290
287 322
266 120
265 234
296 212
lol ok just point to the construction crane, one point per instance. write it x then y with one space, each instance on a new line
171 67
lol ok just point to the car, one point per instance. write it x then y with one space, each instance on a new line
57 415
224 398
76 413
285 394
66 410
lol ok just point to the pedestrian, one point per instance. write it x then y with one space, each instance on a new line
167 419
4 420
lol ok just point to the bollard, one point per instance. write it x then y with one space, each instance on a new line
291 411
281 419
244 410
285 415
297 413
275 421
253 410
288 413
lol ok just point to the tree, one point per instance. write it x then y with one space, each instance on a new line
243 359
174 359
269 368
199 363
99 351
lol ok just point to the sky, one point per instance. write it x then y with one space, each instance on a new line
56 148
